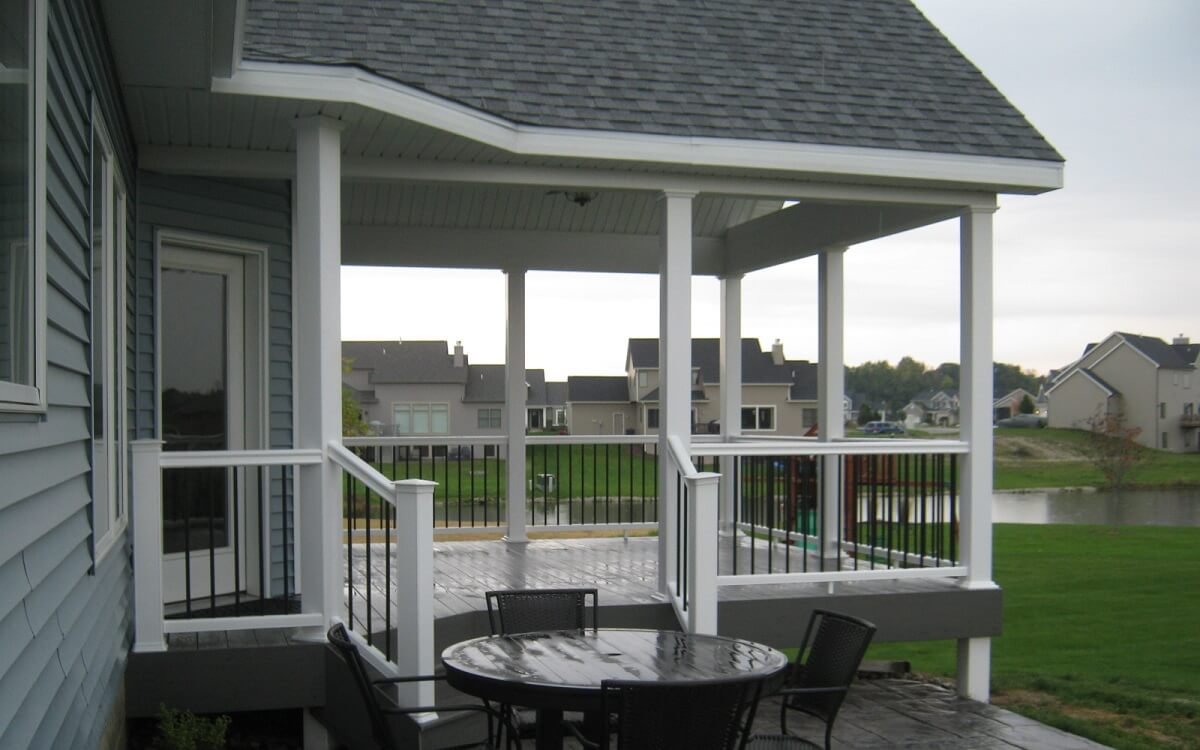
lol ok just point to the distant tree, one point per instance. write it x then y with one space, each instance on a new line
1027 406
352 420
1008 378
1112 447
866 414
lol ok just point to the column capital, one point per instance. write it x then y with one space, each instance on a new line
318 121
977 209
689 194
836 249
731 276
513 270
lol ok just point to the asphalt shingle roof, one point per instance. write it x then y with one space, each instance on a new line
594 388
405 361
867 73
757 365
1171 356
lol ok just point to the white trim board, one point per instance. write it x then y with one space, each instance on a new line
355 86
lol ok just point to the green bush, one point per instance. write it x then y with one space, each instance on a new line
183 730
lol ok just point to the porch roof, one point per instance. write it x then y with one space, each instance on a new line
862 73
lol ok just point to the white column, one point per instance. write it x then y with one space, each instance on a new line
147 547
674 359
515 395
413 573
317 258
731 389
701 552
831 387
975 428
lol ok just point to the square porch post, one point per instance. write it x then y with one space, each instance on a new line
975 427
317 261
674 360
731 390
515 395
831 385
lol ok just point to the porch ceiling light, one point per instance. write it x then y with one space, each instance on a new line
579 197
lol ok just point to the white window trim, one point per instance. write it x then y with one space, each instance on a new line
115 499
774 418
429 406
18 397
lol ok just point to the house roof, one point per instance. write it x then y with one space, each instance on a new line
1171 356
804 380
698 394
485 384
556 393
862 73
405 361
598 388
757 365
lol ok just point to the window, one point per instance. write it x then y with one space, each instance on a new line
758 417
695 377
643 378
1165 444
652 418
421 418
1162 410
489 419
808 417
22 256
107 342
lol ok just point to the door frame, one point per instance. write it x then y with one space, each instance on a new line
252 357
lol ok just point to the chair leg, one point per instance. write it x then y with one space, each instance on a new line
829 735
783 717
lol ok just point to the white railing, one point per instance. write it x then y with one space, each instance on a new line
150 561
692 549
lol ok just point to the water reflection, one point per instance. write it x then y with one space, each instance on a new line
1126 508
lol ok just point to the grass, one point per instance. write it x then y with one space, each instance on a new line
1027 458
1101 632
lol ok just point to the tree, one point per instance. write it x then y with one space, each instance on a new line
1027 406
866 414
352 421
1112 447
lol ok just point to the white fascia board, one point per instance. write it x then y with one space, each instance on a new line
354 86
1134 347
1090 378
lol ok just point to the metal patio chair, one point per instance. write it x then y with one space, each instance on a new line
828 660
517 611
378 707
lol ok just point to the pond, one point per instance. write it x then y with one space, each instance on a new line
1168 507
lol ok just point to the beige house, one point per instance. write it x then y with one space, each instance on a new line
779 396
406 388
1153 384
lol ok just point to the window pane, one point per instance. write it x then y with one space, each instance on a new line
748 422
766 418
420 419
16 284
441 418
652 418
400 418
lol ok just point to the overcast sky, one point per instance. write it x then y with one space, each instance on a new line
1114 85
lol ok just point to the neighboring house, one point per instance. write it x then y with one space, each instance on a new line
184 180
407 388
779 396
932 406
1151 384
1009 404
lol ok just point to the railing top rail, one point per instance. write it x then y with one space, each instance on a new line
377 441
865 447
683 460
362 471
209 459
591 439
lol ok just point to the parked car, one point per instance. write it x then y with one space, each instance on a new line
882 428
1022 420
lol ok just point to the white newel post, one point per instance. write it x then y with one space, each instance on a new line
975 426
831 388
147 546
412 610
515 398
674 361
702 554
731 391
317 259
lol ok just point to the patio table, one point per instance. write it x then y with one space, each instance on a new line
559 671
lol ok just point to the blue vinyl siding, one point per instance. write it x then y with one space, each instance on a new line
255 211
65 624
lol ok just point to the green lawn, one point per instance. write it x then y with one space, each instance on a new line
1101 632
1027 458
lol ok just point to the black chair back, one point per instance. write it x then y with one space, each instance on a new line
345 648
696 714
531 610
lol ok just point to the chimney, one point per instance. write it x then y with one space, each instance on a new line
1181 340
458 354
777 352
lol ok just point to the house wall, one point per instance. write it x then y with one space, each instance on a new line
597 419
254 211
1177 389
1074 401
64 618
1134 377
463 418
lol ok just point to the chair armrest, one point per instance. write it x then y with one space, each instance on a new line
490 712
